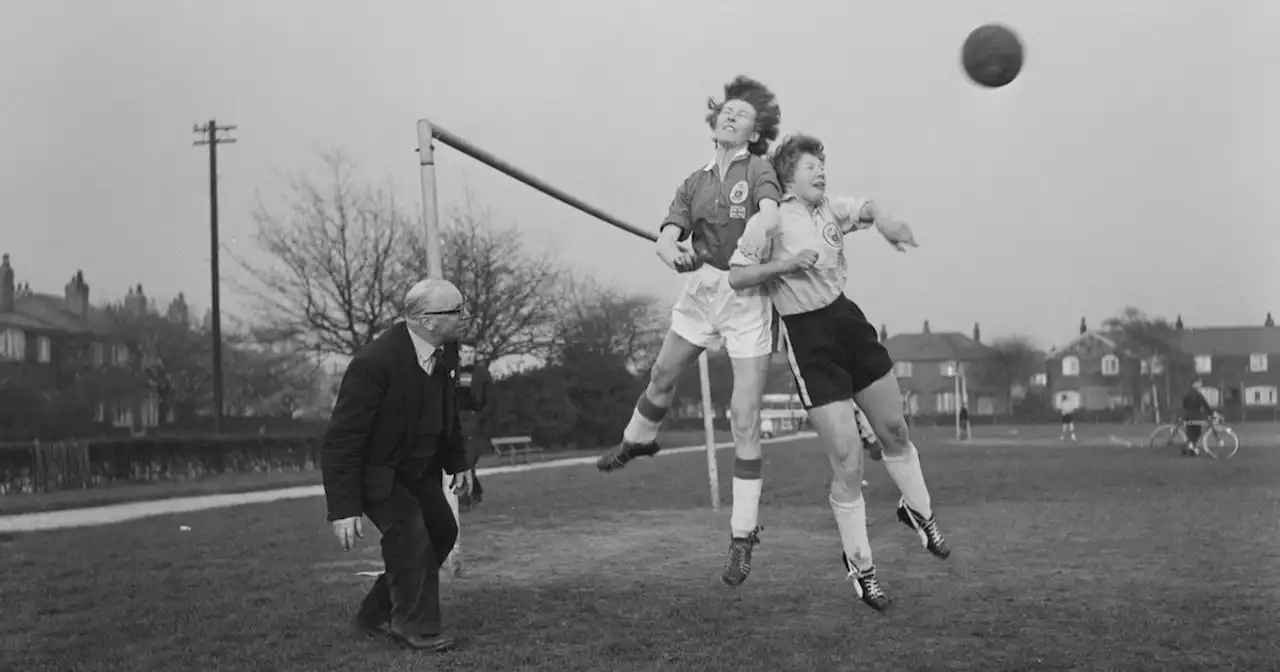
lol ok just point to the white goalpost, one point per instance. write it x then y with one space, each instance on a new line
427 133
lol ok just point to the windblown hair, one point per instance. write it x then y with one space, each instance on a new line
787 155
757 95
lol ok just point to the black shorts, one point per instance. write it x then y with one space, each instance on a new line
834 353
1194 430
1068 418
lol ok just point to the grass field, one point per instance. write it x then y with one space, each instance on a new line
1065 558
59 500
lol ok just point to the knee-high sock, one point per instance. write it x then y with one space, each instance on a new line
851 519
645 421
747 486
905 472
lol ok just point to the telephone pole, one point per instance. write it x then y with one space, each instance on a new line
209 133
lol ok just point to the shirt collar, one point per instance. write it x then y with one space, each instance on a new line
712 165
423 349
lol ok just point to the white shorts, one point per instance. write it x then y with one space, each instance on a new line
709 313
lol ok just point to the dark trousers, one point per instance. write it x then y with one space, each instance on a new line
418 532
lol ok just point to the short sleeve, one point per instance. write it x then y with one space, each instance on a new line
679 215
765 183
848 212
756 244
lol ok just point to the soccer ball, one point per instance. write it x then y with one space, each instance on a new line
992 55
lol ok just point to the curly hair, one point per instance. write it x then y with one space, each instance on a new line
787 155
757 95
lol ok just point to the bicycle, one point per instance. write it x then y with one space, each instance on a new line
1217 439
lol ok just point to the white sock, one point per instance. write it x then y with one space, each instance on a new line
640 429
851 519
905 472
746 505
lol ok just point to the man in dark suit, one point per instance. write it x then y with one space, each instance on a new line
395 427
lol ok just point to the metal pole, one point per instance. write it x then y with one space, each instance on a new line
427 131
435 269
708 425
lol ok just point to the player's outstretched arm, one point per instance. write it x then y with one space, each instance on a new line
856 214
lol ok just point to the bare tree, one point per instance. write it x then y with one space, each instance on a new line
337 273
603 323
511 291
1012 363
1153 341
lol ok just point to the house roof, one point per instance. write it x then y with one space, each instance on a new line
49 313
939 346
1229 340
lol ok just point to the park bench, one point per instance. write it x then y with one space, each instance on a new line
512 448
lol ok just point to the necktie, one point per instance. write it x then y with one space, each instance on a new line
429 364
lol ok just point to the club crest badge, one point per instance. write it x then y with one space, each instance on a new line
738 195
831 233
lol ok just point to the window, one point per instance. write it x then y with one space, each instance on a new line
1261 395
1040 380
123 416
946 402
1204 364
1145 368
119 354
1070 365
1110 365
44 349
1157 365
1258 363
13 345
902 369
947 369
98 355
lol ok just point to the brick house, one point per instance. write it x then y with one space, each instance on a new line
929 364
42 335
1098 371
1239 366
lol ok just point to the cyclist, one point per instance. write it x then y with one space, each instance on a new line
1196 412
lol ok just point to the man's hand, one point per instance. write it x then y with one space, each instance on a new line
897 233
802 261
462 483
347 530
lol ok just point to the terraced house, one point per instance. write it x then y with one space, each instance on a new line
1238 367
43 335
928 366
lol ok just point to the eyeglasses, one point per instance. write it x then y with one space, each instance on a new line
452 311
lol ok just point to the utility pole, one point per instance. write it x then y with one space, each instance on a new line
209 133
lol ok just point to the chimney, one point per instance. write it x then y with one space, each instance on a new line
884 333
1269 323
1083 327
7 290
926 327
77 295
178 310
977 333
136 302
1178 324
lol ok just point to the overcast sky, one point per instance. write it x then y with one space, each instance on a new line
1133 162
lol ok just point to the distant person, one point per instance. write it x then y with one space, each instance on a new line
1195 414
963 431
1068 410
394 429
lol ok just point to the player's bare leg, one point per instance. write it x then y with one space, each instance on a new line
882 404
640 438
838 428
749 378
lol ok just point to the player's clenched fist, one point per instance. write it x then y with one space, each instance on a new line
803 261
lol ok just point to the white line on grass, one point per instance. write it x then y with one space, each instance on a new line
119 513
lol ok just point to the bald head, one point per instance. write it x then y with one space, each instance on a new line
433 296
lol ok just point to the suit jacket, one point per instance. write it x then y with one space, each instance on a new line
375 422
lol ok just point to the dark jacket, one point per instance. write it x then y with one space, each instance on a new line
376 419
